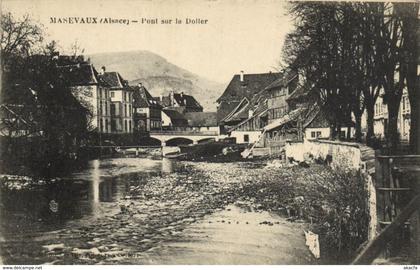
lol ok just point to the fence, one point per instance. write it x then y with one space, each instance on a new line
398 209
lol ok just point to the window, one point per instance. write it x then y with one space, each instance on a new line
106 125
113 125
313 134
101 125
129 123
246 138
318 134
112 94
125 125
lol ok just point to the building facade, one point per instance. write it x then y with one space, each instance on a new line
147 113
121 99
92 92
380 124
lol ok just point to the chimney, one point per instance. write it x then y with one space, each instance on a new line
140 85
241 76
172 99
182 94
161 97
102 70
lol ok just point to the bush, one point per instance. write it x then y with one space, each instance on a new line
343 224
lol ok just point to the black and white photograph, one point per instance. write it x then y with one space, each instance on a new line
209 132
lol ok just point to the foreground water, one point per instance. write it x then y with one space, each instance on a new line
142 211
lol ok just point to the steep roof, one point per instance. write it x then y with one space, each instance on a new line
201 119
142 98
291 116
114 80
284 79
182 99
79 74
164 101
301 92
252 84
258 105
187 101
239 113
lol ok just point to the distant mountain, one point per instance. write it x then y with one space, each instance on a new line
159 76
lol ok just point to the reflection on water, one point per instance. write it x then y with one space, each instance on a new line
80 196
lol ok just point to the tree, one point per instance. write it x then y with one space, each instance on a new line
322 47
19 37
32 68
410 24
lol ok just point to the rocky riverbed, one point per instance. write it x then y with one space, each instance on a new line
158 209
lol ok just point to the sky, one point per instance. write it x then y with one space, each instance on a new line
239 35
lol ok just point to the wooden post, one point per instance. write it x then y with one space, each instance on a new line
373 249
415 220
415 229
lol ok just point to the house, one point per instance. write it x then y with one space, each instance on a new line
250 129
304 120
173 120
180 102
17 121
279 91
203 122
92 92
147 112
237 95
121 98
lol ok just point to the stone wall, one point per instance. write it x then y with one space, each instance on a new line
345 155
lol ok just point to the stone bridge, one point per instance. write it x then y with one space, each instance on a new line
181 137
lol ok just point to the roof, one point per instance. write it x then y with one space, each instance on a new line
252 84
79 74
257 104
291 116
182 99
114 80
284 80
164 101
300 92
239 113
177 118
187 101
142 98
201 119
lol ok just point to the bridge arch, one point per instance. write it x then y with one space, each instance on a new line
176 141
151 141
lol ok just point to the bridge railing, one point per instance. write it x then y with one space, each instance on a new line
185 132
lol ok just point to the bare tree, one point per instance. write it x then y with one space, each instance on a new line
18 36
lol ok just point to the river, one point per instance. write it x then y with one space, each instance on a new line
92 217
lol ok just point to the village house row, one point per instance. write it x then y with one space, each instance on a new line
269 108
264 109
119 108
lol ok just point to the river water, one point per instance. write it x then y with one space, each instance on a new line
83 219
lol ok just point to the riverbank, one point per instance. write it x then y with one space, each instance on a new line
155 208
